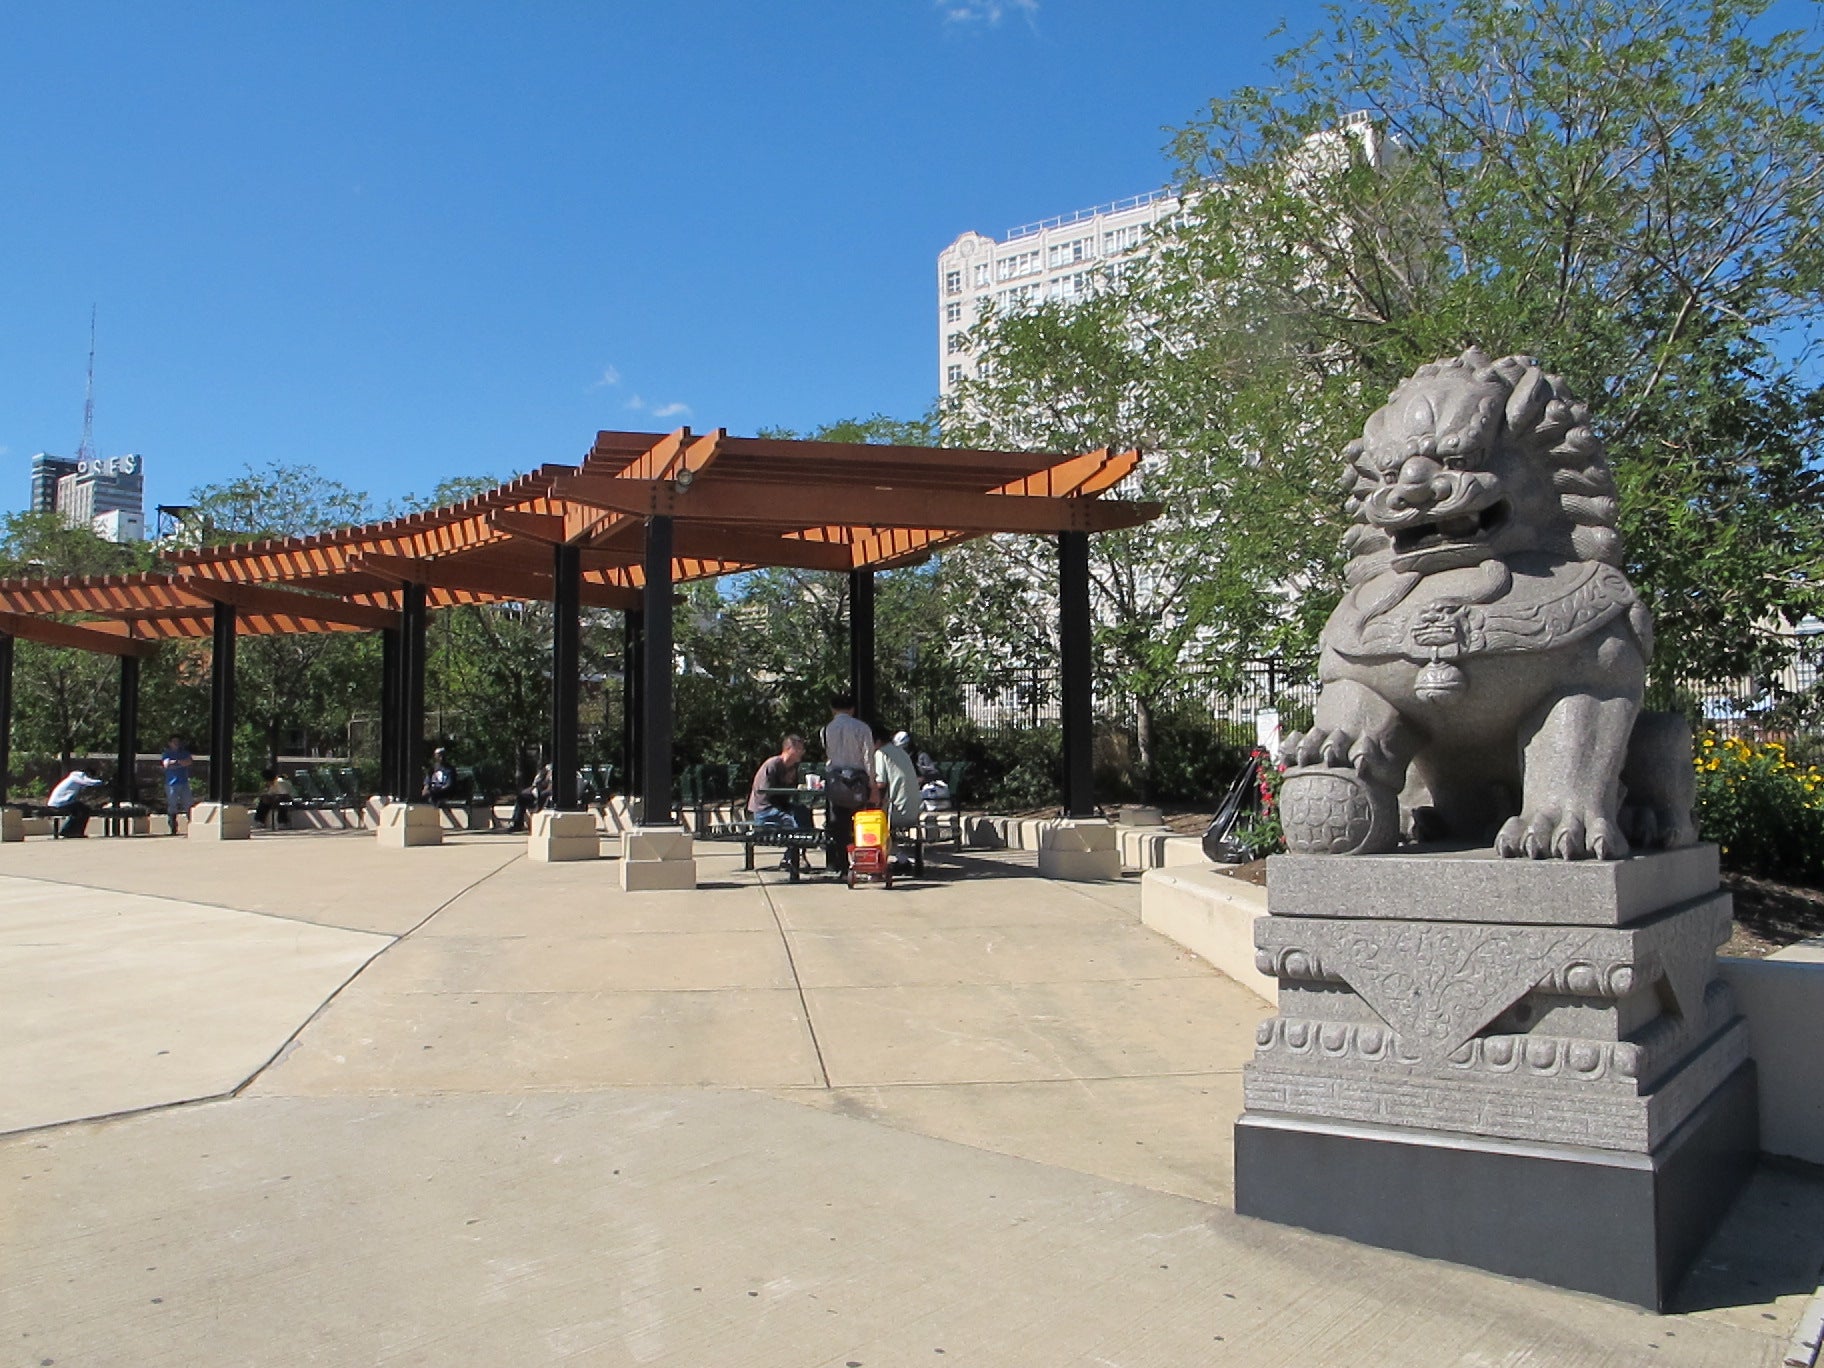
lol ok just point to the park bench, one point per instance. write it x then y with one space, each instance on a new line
752 834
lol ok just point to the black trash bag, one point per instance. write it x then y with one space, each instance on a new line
1219 842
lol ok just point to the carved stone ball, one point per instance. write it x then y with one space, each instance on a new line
1337 812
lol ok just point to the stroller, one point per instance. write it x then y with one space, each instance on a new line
1243 798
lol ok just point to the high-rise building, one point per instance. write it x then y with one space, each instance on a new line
1066 257
47 470
88 492
1056 258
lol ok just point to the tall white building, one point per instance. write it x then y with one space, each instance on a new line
1056 258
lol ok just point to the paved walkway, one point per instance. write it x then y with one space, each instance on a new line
304 1100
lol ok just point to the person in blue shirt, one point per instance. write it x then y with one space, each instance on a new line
176 762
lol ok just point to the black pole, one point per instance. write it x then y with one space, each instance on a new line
221 707
633 730
389 783
566 668
412 615
126 780
861 643
655 681
1074 671
6 711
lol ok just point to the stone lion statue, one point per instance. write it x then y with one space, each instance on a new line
1482 676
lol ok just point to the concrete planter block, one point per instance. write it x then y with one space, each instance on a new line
1081 849
1140 815
408 824
985 833
220 822
12 825
36 826
1783 1001
1141 847
1076 833
1212 916
559 836
1177 852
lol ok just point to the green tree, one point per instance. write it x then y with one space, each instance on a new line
311 683
65 701
1631 193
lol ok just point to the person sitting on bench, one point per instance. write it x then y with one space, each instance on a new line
535 797
779 772
440 782
274 800
66 802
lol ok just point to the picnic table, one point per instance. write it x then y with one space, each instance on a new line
797 839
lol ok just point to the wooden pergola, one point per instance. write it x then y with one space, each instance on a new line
641 513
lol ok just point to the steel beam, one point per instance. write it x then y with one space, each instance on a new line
1075 676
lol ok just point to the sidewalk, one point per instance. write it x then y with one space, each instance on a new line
447 1106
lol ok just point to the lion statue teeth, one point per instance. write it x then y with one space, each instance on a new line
1482 676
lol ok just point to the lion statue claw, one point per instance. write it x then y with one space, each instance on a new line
1482 676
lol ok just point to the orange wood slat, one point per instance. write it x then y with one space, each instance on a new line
948 511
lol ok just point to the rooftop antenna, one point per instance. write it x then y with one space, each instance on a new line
86 452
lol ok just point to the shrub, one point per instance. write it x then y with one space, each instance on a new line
1262 833
1765 812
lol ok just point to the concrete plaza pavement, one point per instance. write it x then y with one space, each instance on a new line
306 1100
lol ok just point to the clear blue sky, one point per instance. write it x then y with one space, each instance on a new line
407 240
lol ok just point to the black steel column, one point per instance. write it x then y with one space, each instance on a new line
412 616
389 783
655 678
221 707
633 730
1074 670
861 643
566 667
6 711
126 779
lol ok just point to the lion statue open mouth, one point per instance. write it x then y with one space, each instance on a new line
1483 674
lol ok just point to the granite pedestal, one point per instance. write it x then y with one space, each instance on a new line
1531 1067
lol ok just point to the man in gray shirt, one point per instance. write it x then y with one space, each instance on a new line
848 746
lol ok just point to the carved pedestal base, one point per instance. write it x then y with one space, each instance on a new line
1615 1223
1506 1063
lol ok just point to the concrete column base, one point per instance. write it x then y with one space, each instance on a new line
220 822
1085 849
558 836
655 857
408 824
12 824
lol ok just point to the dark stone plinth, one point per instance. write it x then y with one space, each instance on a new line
1618 1224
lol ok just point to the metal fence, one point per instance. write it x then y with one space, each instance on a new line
1030 695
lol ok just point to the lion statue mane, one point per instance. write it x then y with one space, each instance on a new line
1482 676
